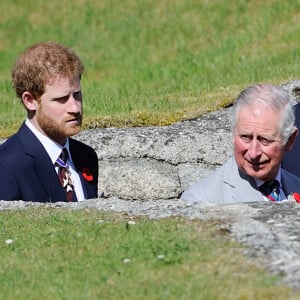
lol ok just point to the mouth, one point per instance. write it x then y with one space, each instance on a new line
256 165
74 121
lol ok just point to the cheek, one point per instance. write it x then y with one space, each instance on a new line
275 152
239 146
56 111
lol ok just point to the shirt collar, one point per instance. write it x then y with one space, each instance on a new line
52 148
278 178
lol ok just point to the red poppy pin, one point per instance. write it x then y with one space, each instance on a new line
88 176
296 197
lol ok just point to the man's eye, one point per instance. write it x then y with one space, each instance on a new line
77 95
246 138
265 141
62 99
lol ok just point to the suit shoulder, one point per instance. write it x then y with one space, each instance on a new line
82 152
290 177
80 146
11 146
209 188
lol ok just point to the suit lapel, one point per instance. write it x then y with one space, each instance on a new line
88 189
49 178
42 164
80 162
242 188
290 184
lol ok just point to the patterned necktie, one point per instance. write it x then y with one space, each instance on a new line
64 175
271 190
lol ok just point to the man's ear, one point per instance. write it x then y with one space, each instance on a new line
29 102
291 140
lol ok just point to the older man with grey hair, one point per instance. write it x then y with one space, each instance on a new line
262 119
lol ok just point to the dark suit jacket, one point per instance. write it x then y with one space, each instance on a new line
291 161
27 172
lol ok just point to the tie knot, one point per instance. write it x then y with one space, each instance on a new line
62 159
270 187
272 183
64 155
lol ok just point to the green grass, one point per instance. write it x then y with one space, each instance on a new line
147 62
60 254
155 62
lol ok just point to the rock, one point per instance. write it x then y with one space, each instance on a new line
134 179
162 161
293 89
159 162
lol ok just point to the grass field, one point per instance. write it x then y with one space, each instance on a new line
155 62
146 62
54 254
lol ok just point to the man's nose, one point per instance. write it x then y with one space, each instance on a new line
254 149
74 106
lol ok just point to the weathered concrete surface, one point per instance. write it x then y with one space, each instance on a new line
161 162
271 232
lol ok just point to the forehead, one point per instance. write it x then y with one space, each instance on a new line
63 83
59 80
259 118
59 87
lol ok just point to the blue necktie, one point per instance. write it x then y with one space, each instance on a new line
271 190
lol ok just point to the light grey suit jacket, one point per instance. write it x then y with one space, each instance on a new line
229 185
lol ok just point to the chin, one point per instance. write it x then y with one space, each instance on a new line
262 176
72 131
258 174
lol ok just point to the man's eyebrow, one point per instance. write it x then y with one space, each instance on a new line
67 94
61 97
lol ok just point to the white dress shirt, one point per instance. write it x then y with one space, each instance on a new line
54 150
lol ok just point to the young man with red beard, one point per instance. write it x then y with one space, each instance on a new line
41 162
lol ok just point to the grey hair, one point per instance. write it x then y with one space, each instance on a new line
273 97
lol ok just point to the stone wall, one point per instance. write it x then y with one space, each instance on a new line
160 162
